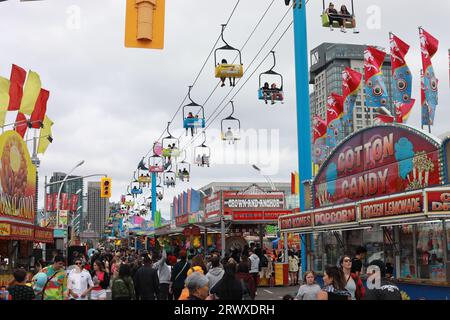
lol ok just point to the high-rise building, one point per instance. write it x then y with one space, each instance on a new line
327 63
98 208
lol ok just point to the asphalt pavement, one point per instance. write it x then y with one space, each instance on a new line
275 293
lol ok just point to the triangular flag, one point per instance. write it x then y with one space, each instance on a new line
31 93
40 109
21 124
4 99
17 79
45 136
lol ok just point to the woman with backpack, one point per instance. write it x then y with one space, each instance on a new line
123 287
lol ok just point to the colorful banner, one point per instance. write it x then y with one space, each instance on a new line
212 205
319 140
38 115
253 201
341 215
267 216
63 219
375 88
45 135
438 201
391 207
4 99
44 235
351 83
297 221
335 111
378 161
182 220
429 46
295 183
17 178
402 112
401 74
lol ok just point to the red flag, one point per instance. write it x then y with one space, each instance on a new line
351 80
335 107
49 202
55 202
40 109
320 128
21 124
64 201
73 202
429 46
399 50
17 80
373 61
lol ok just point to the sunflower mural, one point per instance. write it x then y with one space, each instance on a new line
17 178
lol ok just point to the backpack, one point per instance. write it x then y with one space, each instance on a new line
263 262
121 290
245 292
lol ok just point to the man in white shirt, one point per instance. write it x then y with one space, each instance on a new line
79 282
254 266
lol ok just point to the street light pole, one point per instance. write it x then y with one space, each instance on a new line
60 188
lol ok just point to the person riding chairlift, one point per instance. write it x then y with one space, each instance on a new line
229 136
333 15
232 79
191 116
180 175
185 174
275 93
266 91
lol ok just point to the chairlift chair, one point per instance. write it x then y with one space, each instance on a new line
171 145
349 21
268 92
156 163
169 179
191 121
202 154
232 126
183 169
227 70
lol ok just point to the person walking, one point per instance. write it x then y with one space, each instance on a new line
122 287
215 273
244 276
386 290
334 288
146 282
293 268
229 287
354 285
55 287
79 282
254 266
357 262
164 272
100 279
309 289
179 275
19 289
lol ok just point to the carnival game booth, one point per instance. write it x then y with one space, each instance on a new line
245 213
383 188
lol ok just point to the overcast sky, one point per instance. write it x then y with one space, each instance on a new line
110 103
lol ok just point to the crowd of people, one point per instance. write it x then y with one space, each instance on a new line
188 275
